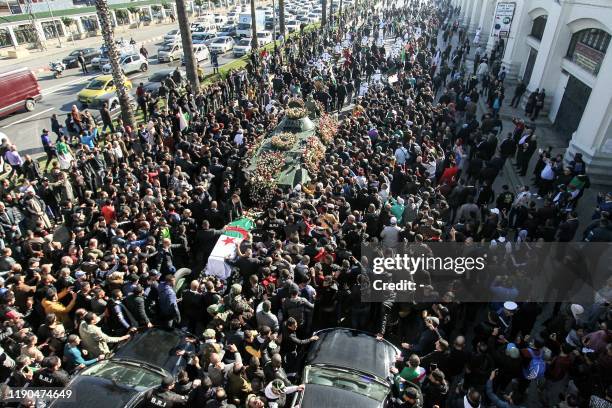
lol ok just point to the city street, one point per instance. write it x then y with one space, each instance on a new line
24 128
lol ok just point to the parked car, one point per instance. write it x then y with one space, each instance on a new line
123 48
111 99
174 35
227 31
129 63
169 52
154 81
242 47
264 37
20 90
203 38
200 51
122 380
98 86
334 377
72 61
292 25
221 44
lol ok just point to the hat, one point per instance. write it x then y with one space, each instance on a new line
79 274
154 273
393 220
512 351
577 310
434 320
510 306
213 309
209 334
494 211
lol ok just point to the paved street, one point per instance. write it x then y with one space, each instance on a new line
59 95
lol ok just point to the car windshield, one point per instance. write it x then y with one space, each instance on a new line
244 26
158 77
124 373
244 41
75 53
166 47
218 40
96 84
262 35
338 378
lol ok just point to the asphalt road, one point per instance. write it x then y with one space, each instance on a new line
24 128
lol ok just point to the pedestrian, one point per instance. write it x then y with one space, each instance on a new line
107 121
48 147
519 90
82 62
539 104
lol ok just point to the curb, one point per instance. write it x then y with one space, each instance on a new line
45 68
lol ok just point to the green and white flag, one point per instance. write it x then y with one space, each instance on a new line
233 234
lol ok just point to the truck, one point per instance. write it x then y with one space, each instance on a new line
244 23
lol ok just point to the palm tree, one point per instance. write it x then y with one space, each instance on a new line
127 114
281 17
190 63
254 42
323 13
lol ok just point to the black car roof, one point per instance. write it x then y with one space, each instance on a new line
353 349
318 396
154 347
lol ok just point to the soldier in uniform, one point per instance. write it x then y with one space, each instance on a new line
163 396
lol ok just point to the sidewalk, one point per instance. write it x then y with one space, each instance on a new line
547 136
38 60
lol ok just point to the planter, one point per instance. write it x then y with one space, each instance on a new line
18 53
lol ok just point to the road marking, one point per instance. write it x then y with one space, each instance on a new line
55 88
28 118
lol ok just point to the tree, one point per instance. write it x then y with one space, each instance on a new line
199 4
323 13
127 114
281 17
190 62
254 42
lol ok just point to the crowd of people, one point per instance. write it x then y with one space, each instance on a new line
91 243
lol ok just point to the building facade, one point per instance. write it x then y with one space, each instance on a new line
560 46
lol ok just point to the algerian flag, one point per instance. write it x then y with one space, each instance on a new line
182 121
232 236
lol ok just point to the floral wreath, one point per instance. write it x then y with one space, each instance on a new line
295 113
283 141
295 102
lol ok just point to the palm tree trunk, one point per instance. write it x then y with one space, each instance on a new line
281 18
323 13
127 114
191 66
254 42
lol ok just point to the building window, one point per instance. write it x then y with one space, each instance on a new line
25 34
588 48
90 23
52 29
538 27
5 38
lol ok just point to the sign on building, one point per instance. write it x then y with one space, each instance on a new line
504 13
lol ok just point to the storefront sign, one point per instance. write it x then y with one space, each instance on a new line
588 58
504 13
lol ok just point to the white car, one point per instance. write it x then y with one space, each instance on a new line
129 63
264 37
169 52
242 47
173 36
292 25
221 45
200 51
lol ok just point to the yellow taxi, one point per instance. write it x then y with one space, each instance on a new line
99 86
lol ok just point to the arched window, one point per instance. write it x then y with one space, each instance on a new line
588 47
537 29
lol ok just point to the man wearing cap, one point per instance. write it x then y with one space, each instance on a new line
163 396
504 317
390 234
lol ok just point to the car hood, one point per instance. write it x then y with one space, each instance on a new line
95 392
91 93
316 396
242 47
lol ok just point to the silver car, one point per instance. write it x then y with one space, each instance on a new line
129 63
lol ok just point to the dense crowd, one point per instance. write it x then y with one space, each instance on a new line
91 244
